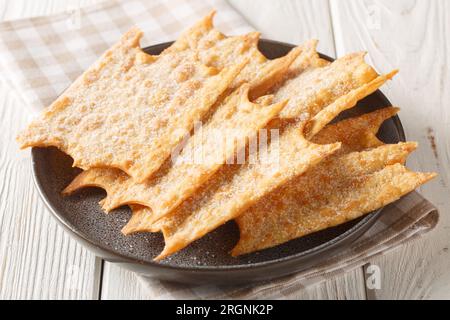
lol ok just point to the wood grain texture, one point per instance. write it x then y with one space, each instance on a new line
38 259
121 284
292 21
348 286
411 36
344 287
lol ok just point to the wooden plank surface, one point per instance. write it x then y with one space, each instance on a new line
414 37
121 284
348 286
38 259
292 21
124 285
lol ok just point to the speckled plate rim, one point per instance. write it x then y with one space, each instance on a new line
328 247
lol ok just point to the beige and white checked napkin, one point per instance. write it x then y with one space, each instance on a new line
40 57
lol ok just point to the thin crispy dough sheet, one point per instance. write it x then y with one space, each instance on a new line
137 223
129 110
219 51
236 187
235 121
344 187
356 134
186 224
325 116
324 84
174 183
343 198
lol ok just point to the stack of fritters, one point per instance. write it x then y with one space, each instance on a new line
130 122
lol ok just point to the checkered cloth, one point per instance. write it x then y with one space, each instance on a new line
40 57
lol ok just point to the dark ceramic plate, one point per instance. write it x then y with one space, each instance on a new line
207 260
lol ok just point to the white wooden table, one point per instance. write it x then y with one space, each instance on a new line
39 261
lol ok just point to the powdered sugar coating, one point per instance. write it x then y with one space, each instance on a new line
363 176
172 184
320 85
178 180
303 210
130 109
235 187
